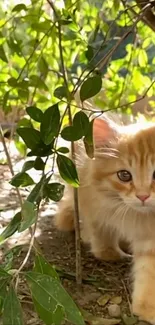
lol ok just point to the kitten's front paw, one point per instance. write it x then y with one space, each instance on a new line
110 255
145 310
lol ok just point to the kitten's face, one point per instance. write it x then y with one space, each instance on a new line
134 181
131 176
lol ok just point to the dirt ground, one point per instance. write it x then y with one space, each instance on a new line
104 284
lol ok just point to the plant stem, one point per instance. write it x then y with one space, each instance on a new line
76 205
9 161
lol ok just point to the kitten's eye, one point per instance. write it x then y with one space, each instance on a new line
153 175
124 176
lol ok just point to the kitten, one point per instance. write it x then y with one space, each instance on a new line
117 201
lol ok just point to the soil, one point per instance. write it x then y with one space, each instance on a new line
99 278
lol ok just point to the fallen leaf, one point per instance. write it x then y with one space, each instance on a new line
114 310
129 320
103 300
95 320
116 300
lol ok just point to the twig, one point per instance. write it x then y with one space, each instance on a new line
76 205
143 19
140 98
149 17
127 296
34 50
9 161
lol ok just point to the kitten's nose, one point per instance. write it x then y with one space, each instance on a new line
143 197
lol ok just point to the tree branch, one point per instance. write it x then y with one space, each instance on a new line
101 64
149 17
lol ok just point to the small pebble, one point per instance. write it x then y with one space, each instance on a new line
114 310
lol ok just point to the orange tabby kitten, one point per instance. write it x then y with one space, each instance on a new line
117 201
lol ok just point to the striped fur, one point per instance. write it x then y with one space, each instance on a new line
110 210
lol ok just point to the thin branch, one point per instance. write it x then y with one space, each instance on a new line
104 42
149 17
31 244
92 110
9 161
101 64
76 204
140 98
143 19
34 50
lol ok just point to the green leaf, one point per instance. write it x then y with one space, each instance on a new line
142 58
79 128
21 147
24 122
36 193
12 313
89 133
69 133
43 66
50 124
5 99
30 136
54 191
3 289
23 94
63 150
129 320
21 179
3 285
19 7
23 84
47 317
39 164
8 263
28 165
11 228
58 315
12 82
89 53
3 56
49 293
29 216
90 87
89 149
61 92
43 267
81 123
14 45
88 141
41 151
43 26
9 257
35 113
4 275
37 82
116 5
67 170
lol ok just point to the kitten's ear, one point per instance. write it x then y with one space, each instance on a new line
104 131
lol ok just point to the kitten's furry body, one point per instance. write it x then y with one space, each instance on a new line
110 209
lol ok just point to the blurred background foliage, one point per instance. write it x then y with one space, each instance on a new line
30 66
